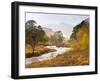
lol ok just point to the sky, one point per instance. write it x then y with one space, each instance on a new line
57 22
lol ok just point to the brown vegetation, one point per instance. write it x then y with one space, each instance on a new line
39 50
71 58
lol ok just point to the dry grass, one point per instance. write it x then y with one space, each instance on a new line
71 58
39 50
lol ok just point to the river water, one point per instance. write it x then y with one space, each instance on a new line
47 56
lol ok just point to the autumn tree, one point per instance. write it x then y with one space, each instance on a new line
34 34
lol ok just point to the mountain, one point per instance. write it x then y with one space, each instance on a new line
80 35
61 27
86 21
48 31
82 26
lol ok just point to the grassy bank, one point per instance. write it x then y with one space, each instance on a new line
39 50
71 58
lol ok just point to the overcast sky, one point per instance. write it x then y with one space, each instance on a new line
56 22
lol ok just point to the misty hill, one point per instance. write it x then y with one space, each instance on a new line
49 32
80 35
61 27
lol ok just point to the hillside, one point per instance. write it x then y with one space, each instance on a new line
48 31
80 35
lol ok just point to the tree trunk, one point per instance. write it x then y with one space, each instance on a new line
33 47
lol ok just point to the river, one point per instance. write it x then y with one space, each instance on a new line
47 56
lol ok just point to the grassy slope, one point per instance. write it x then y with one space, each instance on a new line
71 58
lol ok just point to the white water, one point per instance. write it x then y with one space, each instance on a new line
47 56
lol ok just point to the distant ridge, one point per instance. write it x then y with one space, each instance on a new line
48 31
